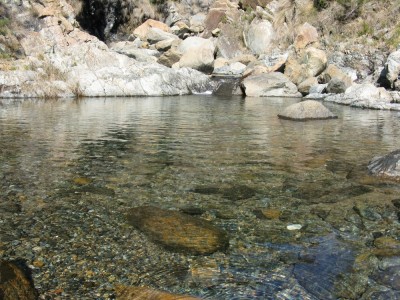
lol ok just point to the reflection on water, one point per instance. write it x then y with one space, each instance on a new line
81 164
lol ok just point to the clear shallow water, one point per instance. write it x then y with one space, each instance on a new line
169 152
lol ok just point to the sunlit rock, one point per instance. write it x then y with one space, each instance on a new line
269 84
307 110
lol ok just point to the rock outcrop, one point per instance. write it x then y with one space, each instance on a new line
364 96
392 68
269 85
68 62
307 110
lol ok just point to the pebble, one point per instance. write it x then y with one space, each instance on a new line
294 227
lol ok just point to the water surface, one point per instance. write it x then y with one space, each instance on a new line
70 169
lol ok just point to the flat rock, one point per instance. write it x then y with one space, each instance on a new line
269 85
143 30
177 231
365 96
307 110
15 283
386 166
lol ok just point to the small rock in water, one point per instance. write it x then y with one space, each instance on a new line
178 231
82 180
132 292
294 227
386 166
307 110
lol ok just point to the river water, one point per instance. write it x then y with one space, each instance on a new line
304 217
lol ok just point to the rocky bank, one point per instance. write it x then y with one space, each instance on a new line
275 48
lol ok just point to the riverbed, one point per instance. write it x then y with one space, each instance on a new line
305 219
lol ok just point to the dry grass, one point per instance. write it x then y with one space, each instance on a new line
351 21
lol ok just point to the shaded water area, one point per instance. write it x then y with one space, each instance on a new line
304 219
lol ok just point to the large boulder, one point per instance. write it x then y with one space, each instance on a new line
392 67
197 53
386 166
365 96
260 36
305 86
306 35
338 81
178 231
307 110
269 84
309 62
143 30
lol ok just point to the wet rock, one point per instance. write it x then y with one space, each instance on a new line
178 231
240 192
307 110
389 277
386 242
15 283
237 192
271 214
386 166
322 277
131 292
272 84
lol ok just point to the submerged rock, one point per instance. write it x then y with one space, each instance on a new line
178 231
15 283
386 166
141 292
307 110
